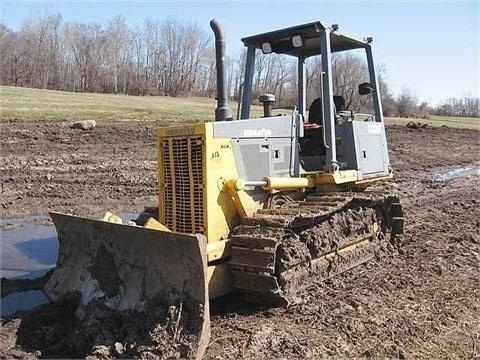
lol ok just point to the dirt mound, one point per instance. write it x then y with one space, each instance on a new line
54 331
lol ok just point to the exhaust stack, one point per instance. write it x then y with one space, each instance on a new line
222 112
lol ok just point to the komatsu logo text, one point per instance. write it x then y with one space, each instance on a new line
257 132
180 131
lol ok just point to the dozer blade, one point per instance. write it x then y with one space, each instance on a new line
130 268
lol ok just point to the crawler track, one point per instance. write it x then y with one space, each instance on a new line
275 251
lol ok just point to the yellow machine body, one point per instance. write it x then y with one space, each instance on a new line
200 191
196 172
193 168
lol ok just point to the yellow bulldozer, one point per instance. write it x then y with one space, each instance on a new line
260 205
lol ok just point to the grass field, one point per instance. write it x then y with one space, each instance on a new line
36 104
433 120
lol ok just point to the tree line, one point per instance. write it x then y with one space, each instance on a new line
173 58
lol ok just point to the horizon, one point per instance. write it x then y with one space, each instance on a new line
416 65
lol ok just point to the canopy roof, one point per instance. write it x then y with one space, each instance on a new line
281 40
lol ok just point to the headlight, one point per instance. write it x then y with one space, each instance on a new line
297 41
266 48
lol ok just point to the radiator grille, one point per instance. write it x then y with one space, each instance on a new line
181 181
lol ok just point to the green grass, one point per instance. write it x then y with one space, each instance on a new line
434 120
36 104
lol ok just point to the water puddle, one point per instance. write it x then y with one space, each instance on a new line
28 249
29 246
22 301
454 173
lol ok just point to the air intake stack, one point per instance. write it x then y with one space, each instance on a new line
222 112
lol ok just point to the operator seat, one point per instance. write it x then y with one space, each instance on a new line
315 115
339 102
312 142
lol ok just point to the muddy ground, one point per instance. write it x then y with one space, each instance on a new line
422 303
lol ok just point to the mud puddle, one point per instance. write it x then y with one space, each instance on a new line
29 248
456 172
27 300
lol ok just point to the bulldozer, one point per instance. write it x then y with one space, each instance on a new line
262 206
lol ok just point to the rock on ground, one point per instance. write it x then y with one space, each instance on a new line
84 124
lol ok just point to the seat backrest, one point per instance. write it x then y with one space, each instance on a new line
315 115
339 102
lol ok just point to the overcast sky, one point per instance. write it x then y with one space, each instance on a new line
431 48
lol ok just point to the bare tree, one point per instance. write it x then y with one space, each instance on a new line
272 73
9 56
467 106
87 43
31 57
236 74
406 103
117 39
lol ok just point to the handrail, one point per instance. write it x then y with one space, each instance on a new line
324 135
